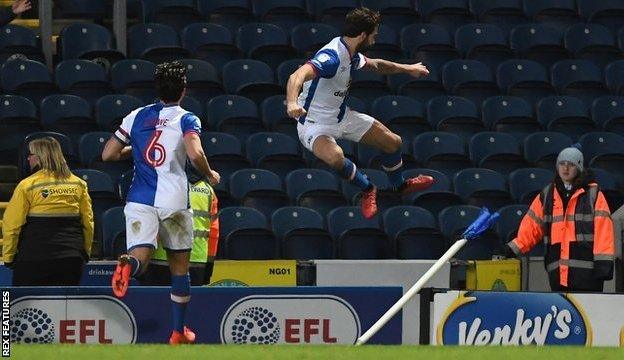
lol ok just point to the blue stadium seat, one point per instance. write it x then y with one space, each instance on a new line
308 38
286 14
394 13
497 151
275 118
135 77
471 79
524 78
67 114
244 235
18 40
415 232
276 152
67 147
210 42
224 151
579 78
482 187
82 78
234 115
113 232
483 42
509 114
609 13
368 85
429 43
386 45
259 189
90 146
454 220
608 113
559 14
454 114
509 221
174 13
564 114
193 105
525 183
538 42
449 13
357 237
401 114
123 185
541 148
332 12
504 13
111 109
592 42
265 42
18 117
251 78
302 234
609 187
356 104
155 42
82 9
315 189
604 150
285 69
437 197
229 13
202 80
614 77
443 151
88 41
27 78
421 88
386 197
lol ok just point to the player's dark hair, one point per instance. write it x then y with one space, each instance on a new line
361 20
170 80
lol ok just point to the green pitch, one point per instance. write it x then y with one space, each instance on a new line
234 352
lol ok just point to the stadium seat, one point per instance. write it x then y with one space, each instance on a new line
483 42
210 42
174 13
244 235
579 78
429 43
608 113
496 151
16 41
123 185
482 187
538 42
368 85
386 197
90 42
113 232
524 78
82 9
302 234
471 79
525 183
542 148
315 189
18 117
135 77
592 42
285 69
511 115
67 114
415 232
564 114
308 38
284 13
265 42
82 78
609 13
234 115
356 104
604 150
67 147
276 152
509 221
275 118
202 80
155 42
111 109
559 14
27 78
448 13
454 114
435 198
454 220
614 77
224 152
422 88
610 188
386 44
251 78
394 13
504 13
259 189
443 151
356 237
191 104
229 13
332 12
401 114
90 146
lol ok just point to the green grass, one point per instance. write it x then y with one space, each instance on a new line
234 352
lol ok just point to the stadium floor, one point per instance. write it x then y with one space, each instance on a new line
120 352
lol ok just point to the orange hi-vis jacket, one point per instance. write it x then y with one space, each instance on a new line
579 240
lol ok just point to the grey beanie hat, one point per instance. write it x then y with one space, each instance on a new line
573 155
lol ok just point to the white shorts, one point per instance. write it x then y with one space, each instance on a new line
352 127
146 225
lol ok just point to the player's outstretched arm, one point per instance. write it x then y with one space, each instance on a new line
196 154
114 150
386 67
293 88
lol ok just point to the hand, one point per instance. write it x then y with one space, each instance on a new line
294 110
19 6
416 70
214 178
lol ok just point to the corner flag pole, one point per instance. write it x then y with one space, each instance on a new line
483 222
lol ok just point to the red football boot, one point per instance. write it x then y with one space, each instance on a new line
369 203
186 337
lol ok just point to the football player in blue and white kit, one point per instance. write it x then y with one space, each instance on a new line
160 137
323 115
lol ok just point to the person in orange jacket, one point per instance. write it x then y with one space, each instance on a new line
571 216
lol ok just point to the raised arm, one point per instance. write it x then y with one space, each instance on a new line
386 67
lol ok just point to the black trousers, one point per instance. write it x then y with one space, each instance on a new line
159 275
53 272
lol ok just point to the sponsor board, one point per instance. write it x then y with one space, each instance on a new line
254 273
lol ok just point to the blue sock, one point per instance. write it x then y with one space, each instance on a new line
180 296
350 172
393 166
135 266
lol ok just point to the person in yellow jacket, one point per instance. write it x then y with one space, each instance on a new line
48 223
204 203
571 216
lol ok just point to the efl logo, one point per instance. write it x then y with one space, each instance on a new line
290 319
72 319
